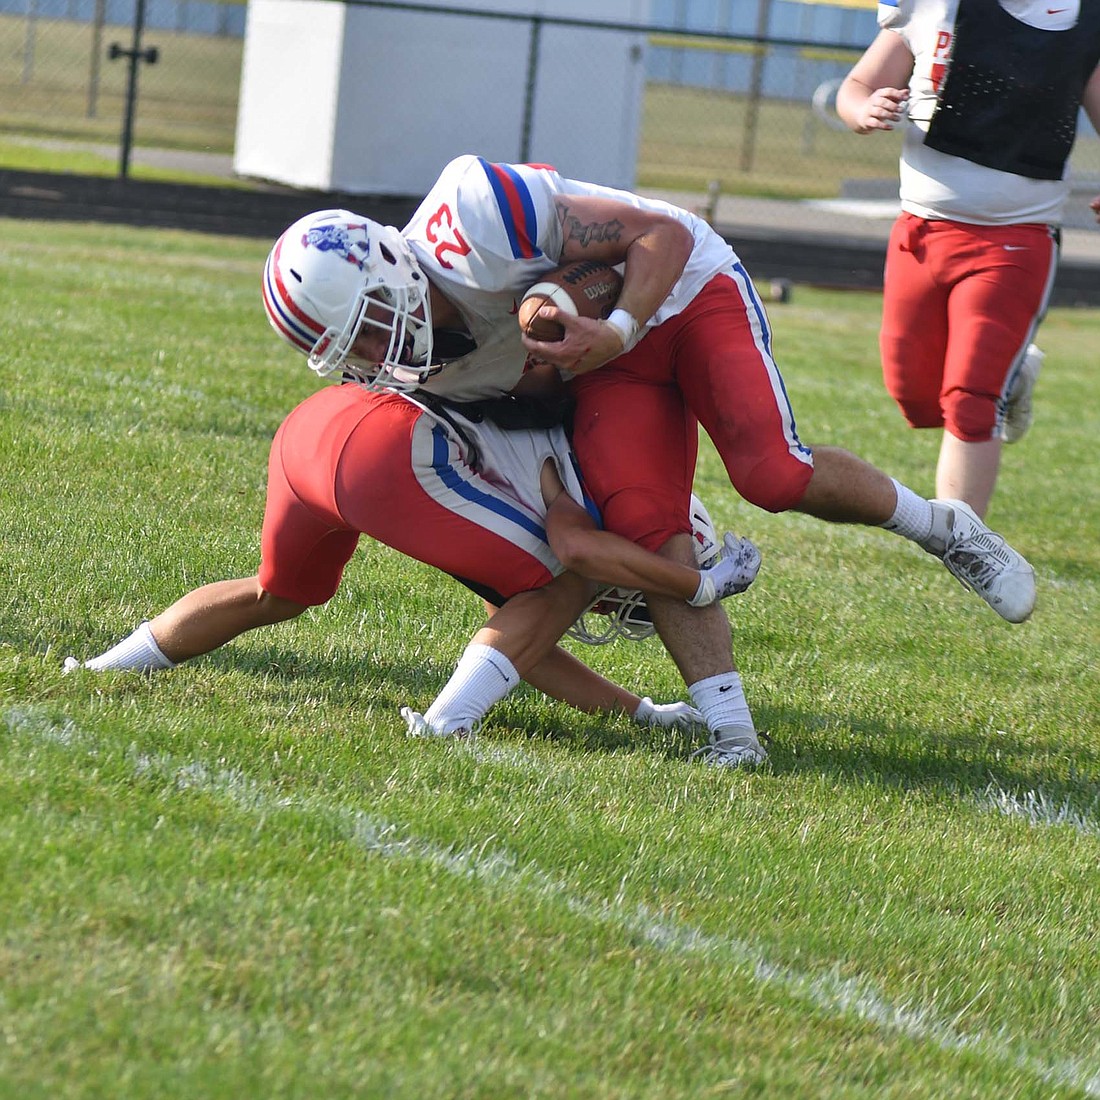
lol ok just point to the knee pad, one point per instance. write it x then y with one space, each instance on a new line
921 414
650 519
970 416
775 485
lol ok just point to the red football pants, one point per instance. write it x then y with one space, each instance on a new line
637 418
960 305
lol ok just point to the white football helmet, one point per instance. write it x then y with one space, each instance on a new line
622 612
334 272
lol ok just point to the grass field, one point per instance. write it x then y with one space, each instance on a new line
240 879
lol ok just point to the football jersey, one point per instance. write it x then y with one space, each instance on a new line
486 232
512 460
936 184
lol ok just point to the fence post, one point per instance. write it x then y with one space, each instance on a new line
28 41
529 92
97 44
134 54
756 85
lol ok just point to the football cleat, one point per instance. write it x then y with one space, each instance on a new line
1018 403
982 561
419 726
732 747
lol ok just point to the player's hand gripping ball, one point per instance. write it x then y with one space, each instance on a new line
584 288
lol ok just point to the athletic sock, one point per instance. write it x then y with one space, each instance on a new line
721 701
912 518
138 651
482 677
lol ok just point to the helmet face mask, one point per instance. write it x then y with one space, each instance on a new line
623 612
334 276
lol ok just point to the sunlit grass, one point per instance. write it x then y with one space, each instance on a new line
240 878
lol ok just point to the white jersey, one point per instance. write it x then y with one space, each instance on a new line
935 184
486 232
500 487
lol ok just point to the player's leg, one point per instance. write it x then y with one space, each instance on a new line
636 442
214 614
913 336
731 381
302 559
1000 278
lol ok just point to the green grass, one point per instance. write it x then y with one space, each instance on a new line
240 879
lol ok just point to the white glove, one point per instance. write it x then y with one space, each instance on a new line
733 573
681 715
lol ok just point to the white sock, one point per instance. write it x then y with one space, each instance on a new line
721 700
912 518
138 651
482 677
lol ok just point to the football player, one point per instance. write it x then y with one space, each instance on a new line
431 310
503 511
993 92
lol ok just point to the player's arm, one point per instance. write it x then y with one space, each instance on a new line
873 95
611 559
653 247
526 629
604 556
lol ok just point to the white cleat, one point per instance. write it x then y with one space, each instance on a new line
419 726
732 747
1018 403
982 561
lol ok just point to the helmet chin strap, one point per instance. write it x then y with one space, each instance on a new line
422 343
451 344
421 331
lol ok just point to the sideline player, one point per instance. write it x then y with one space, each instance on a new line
431 309
501 511
992 91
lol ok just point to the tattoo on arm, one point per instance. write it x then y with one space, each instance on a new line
592 233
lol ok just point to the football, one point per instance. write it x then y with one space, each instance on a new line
584 288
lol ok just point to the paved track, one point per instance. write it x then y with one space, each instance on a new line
838 243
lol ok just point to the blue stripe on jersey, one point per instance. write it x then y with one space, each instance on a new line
887 3
450 477
517 209
590 505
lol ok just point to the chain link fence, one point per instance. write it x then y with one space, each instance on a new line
738 93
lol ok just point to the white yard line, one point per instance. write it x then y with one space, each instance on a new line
831 993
